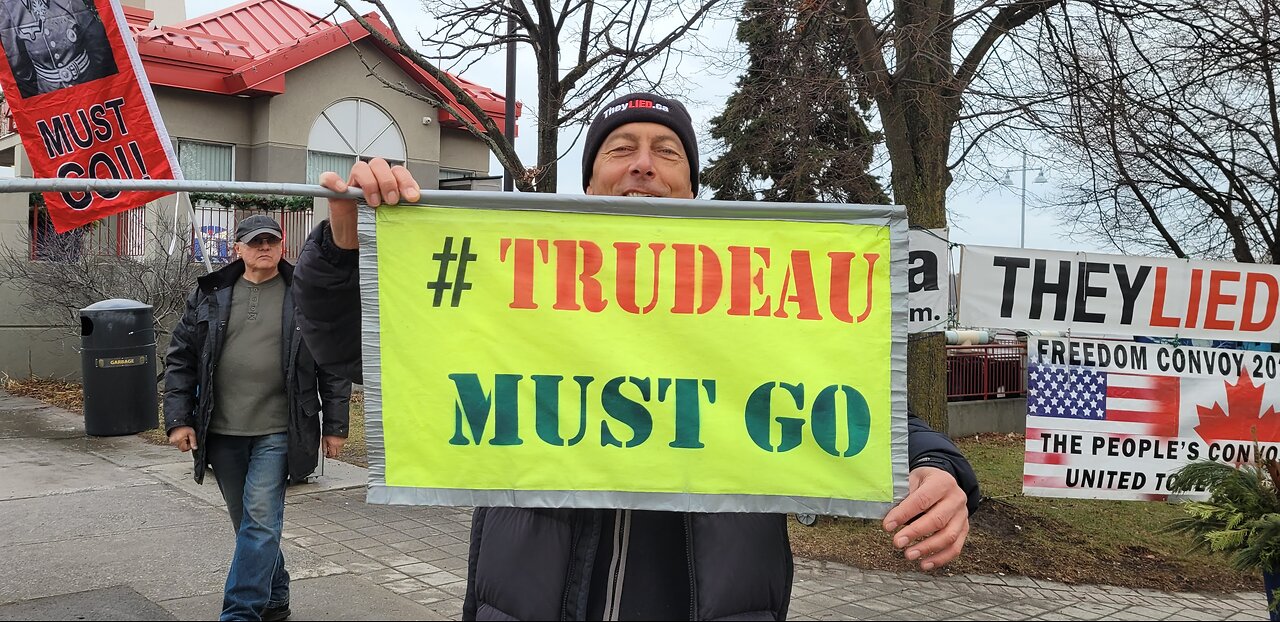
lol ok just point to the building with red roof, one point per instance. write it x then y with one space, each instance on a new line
259 91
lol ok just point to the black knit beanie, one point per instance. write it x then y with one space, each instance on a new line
641 108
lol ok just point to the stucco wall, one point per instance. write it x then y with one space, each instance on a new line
463 151
29 344
317 85
38 351
205 116
13 220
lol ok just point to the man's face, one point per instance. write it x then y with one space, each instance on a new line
263 252
641 159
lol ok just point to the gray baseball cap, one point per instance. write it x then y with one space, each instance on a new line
257 224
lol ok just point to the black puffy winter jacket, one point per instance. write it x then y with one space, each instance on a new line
195 349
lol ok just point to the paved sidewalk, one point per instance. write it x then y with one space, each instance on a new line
114 528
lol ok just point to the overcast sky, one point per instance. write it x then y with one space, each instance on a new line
981 213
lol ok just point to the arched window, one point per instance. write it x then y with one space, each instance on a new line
350 129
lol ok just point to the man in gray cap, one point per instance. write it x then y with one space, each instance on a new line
538 564
243 394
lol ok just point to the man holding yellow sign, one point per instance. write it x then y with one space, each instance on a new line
685 435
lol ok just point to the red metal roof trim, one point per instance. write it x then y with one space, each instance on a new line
495 108
247 49
278 63
263 25
490 101
192 40
137 17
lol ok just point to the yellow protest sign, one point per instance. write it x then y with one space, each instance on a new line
564 359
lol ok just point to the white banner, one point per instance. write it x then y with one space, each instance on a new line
1118 295
1113 419
929 295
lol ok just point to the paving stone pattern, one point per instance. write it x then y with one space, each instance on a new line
421 553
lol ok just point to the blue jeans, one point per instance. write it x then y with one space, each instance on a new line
252 473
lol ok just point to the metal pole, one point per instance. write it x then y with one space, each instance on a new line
508 181
576 203
31 184
1022 238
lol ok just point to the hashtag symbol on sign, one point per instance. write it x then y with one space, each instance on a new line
446 257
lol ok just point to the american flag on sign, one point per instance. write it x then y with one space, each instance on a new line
1085 393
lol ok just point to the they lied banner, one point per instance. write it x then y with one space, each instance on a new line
1119 295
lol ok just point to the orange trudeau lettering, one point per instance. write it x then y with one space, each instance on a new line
743 283
1251 283
1218 299
687 278
696 282
842 283
522 269
568 276
625 287
1157 305
805 297
871 266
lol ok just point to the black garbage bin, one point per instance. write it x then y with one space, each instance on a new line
118 357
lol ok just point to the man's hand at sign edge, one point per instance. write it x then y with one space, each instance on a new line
382 185
931 524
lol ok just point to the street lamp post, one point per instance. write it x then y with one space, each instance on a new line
508 180
1008 181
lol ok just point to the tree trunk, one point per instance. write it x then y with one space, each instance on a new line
926 352
919 103
548 142
550 101
919 138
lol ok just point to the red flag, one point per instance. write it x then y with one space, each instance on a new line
82 103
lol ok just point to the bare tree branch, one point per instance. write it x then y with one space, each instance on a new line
1173 109
488 130
617 43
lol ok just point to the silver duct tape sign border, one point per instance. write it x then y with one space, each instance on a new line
382 492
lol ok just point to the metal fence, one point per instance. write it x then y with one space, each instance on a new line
985 372
118 235
125 234
214 230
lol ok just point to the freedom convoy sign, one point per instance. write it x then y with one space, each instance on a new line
1113 419
608 352
82 104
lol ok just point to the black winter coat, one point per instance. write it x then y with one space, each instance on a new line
537 564
194 352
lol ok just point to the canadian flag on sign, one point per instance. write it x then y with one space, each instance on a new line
1241 417
82 104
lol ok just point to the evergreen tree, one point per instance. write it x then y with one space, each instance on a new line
794 130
